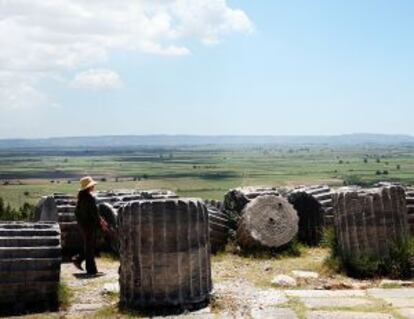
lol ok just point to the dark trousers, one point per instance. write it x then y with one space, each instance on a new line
88 253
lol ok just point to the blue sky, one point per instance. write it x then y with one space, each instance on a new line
285 68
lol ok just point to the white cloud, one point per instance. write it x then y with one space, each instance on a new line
39 37
97 79
18 93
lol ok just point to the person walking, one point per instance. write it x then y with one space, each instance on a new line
88 219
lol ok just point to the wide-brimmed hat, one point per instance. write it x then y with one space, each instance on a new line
87 182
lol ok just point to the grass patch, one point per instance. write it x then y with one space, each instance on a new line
228 267
65 296
292 249
297 306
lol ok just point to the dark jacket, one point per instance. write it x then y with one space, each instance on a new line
86 211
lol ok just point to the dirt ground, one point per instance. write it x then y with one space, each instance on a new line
243 289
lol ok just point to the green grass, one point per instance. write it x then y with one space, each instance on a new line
65 296
202 172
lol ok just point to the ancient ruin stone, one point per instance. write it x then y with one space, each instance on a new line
267 221
30 257
369 221
164 253
71 239
111 237
46 210
236 199
410 208
314 207
219 229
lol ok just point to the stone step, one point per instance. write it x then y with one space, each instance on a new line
30 252
29 241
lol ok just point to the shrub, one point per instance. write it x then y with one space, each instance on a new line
25 212
354 180
397 265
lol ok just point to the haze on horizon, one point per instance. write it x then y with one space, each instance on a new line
205 67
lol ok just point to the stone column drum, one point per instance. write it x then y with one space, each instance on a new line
30 257
164 253
369 221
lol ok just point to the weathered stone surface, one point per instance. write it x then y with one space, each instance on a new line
164 253
283 281
325 293
400 302
346 315
46 210
236 199
305 274
335 302
369 221
407 312
272 313
314 207
110 288
86 307
267 221
219 229
391 293
410 208
30 256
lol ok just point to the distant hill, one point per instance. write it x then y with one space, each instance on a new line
203 140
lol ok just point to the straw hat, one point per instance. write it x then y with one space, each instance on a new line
87 182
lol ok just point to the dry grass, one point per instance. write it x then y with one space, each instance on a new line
260 271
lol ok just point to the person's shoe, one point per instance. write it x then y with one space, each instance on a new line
95 274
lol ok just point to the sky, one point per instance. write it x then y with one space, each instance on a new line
206 67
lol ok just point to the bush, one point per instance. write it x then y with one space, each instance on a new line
25 212
397 265
354 180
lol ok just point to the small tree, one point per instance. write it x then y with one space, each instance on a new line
398 166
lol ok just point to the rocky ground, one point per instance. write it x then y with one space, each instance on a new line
253 288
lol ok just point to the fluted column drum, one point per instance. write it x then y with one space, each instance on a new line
164 253
369 221
30 257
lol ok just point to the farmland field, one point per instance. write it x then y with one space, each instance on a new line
206 172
